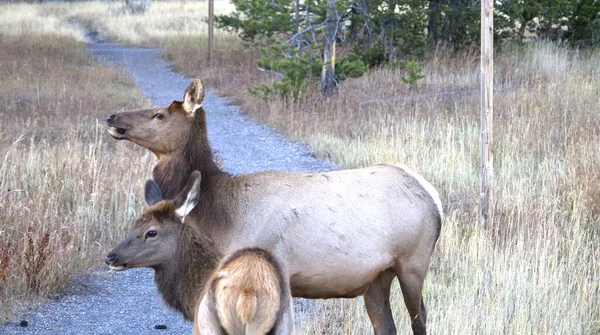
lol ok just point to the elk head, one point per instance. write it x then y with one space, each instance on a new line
157 234
161 130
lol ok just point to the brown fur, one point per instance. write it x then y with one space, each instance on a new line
175 161
171 172
181 282
181 277
381 222
249 292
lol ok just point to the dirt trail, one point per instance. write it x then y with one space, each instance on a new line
127 302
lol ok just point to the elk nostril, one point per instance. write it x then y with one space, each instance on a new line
110 118
110 259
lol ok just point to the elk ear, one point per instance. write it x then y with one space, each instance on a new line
152 193
188 197
194 96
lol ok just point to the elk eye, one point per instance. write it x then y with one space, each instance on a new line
158 116
151 233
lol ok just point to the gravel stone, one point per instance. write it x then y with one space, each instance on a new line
123 303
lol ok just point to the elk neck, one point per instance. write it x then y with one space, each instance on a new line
173 170
181 282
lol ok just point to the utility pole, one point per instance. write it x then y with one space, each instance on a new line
486 203
211 37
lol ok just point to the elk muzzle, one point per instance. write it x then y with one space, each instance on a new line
114 129
111 260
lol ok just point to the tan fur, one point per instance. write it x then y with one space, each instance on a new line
247 294
338 234
245 306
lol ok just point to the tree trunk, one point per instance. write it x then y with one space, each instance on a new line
297 16
433 26
327 73
391 54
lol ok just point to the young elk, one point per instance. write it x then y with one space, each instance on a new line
183 259
338 234
246 295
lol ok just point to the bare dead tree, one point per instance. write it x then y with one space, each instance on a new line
307 38
328 82
297 16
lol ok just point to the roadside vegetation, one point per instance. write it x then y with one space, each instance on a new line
535 271
67 192
111 21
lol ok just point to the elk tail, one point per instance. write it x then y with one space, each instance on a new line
246 307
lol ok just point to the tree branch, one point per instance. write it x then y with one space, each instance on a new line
277 74
305 30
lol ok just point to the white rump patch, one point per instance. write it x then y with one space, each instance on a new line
433 193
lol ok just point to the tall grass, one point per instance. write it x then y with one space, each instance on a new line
67 192
537 269
111 20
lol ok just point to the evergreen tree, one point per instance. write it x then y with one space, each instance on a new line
584 23
259 21
379 32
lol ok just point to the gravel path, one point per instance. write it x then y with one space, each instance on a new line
127 302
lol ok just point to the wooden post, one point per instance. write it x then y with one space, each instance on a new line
211 38
487 111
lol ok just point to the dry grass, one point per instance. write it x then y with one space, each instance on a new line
537 270
67 192
164 20
232 71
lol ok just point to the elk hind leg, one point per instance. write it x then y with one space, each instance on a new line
377 301
411 282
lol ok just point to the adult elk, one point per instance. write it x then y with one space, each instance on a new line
247 294
338 234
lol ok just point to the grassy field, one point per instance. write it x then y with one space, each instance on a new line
67 192
163 20
535 271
